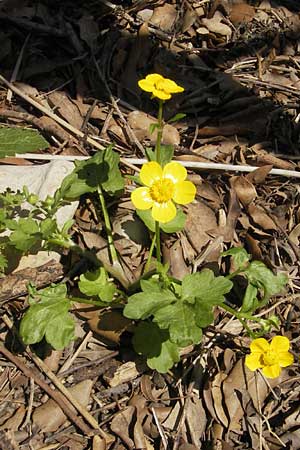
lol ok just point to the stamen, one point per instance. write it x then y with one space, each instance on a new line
162 190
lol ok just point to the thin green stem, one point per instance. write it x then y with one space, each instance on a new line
147 266
159 131
111 246
157 236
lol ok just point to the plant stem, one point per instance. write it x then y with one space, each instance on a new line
157 236
111 247
147 266
159 131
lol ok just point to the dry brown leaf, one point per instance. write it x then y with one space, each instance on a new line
261 218
241 13
98 443
108 325
120 425
173 253
126 372
65 108
49 416
164 17
241 387
244 189
200 220
14 422
140 123
215 24
259 175
294 234
195 419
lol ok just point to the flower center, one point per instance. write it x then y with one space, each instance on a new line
162 190
270 358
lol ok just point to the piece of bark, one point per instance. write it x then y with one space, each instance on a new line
15 284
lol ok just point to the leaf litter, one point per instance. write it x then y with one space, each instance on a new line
239 65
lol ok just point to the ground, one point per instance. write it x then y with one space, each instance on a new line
70 70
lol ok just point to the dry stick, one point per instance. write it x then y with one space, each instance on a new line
17 68
44 368
187 164
59 120
55 395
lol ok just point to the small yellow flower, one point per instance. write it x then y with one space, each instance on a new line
160 87
163 187
269 357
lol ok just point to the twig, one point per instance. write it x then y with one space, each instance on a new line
64 404
187 164
17 68
55 117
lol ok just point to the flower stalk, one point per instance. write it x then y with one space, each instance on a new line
111 246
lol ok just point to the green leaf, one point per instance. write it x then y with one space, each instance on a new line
49 318
262 277
204 315
153 127
150 154
166 154
175 225
146 217
206 287
48 227
250 301
102 169
3 262
179 319
145 304
25 235
96 283
149 340
20 140
240 257
177 117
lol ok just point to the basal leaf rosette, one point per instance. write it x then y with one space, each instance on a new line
163 187
160 87
270 357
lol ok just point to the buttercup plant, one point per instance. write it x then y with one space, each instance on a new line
170 313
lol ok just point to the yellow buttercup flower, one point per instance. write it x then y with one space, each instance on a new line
160 87
269 357
163 187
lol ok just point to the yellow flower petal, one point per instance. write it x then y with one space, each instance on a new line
159 93
146 85
164 212
175 171
184 192
259 345
150 172
154 78
285 359
271 371
253 361
280 344
141 199
170 86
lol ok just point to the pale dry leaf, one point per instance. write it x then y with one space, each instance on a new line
14 422
120 425
241 13
244 189
173 253
259 175
294 234
49 416
164 17
261 218
65 107
98 443
200 220
195 418
215 25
